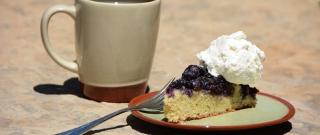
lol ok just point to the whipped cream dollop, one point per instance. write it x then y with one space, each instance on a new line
235 58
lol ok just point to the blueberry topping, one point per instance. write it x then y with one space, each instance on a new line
198 78
247 90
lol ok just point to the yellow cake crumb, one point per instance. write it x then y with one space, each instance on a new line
181 107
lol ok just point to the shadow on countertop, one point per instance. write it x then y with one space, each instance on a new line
70 86
92 132
152 129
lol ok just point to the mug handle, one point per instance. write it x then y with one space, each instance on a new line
69 10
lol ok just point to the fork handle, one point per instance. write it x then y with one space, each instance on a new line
86 127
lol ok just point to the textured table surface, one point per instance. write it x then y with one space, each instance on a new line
39 97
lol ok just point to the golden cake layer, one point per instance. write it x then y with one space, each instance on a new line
200 104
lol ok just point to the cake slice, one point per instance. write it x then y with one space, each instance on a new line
198 94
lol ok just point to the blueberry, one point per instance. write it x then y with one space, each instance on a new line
175 84
186 84
193 71
211 87
169 92
217 91
197 84
216 85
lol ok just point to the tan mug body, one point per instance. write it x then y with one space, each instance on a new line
115 41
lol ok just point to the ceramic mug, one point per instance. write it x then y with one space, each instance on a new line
115 44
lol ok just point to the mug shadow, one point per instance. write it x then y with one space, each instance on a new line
152 129
70 86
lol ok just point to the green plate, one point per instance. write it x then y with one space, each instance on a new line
270 110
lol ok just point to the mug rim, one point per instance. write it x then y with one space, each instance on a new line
147 2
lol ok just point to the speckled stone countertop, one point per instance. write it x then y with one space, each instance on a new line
39 97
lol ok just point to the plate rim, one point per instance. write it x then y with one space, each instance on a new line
289 115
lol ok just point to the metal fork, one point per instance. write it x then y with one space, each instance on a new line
154 103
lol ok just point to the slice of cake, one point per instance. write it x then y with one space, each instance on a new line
198 94
220 84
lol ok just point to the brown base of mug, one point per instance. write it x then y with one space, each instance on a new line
114 94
